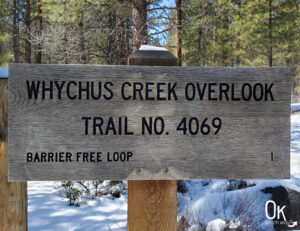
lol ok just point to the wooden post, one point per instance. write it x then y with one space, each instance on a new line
13 195
152 204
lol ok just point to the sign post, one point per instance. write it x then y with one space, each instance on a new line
13 195
152 204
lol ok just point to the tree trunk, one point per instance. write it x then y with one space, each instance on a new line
270 35
238 42
139 16
225 39
39 25
27 31
111 39
122 40
15 32
178 32
81 40
64 58
127 51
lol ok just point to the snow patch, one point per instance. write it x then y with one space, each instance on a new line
48 211
194 228
234 224
216 225
295 107
151 48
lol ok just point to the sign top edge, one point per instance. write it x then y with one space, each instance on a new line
277 68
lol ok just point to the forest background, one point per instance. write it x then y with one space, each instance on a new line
198 32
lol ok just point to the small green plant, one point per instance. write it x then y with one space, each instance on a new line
114 182
71 192
96 184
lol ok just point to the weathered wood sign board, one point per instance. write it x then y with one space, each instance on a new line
134 122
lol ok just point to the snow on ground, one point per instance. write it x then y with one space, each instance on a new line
295 144
295 107
207 202
48 211
216 225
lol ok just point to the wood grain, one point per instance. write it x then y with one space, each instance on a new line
250 131
13 195
152 205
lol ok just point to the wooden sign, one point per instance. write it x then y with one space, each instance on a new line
82 122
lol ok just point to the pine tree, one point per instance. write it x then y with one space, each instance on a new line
27 22
5 35
39 31
139 21
15 32
178 32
